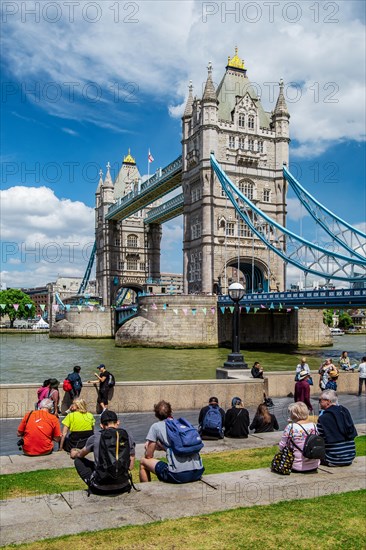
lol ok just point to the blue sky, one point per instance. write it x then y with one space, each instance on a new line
83 83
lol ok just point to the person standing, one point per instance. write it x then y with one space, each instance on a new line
324 371
362 374
301 366
336 426
104 378
237 420
76 382
302 390
39 429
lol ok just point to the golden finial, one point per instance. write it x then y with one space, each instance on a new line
128 158
235 61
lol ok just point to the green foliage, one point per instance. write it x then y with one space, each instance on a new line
345 320
328 317
15 296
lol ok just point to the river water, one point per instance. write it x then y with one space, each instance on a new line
34 357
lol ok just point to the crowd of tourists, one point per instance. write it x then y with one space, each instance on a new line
306 441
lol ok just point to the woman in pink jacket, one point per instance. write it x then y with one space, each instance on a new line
297 430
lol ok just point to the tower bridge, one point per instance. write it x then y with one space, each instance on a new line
233 176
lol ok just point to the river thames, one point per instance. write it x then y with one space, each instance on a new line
34 357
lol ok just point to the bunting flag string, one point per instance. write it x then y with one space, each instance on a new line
222 309
67 307
271 306
80 308
185 311
194 311
55 307
29 306
263 307
2 306
175 311
134 309
280 306
91 308
247 309
213 310
102 308
256 309
16 307
231 309
154 306
42 306
164 307
288 310
204 309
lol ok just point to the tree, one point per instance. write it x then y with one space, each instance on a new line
345 320
328 317
24 306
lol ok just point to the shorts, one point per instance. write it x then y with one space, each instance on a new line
103 396
163 474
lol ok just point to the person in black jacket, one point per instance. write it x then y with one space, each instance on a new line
237 420
257 370
263 420
211 420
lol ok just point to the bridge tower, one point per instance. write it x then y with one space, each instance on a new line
127 251
251 145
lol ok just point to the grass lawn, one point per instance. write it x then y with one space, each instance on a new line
335 521
66 479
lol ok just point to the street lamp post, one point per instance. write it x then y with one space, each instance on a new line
235 359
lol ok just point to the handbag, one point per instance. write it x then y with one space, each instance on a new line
283 460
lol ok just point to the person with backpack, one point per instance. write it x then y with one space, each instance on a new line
106 383
114 457
211 420
181 442
295 435
237 420
76 383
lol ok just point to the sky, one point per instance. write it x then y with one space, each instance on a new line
82 82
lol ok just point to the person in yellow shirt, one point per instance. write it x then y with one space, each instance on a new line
78 426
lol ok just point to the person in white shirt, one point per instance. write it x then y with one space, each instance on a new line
301 367
362 372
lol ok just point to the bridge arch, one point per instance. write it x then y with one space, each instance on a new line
253 275
123 290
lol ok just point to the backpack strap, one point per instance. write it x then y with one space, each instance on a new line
293 442
234 421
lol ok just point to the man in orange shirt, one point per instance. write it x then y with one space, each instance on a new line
39 429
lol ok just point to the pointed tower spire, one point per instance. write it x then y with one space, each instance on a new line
281 107
108 183
100 183
188 109
210 93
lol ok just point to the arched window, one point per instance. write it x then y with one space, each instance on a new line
251 144
241 143
132 241
241 121
251 122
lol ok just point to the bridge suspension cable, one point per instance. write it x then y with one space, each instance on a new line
322 261
348 237
84 282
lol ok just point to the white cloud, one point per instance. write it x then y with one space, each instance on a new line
69 131
318 47
43 234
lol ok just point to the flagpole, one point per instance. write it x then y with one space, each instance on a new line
148 164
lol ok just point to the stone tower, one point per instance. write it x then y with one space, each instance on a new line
128 251
251 145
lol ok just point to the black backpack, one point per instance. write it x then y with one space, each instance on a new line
112 472
111 381
314 446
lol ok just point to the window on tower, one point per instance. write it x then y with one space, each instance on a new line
251 122
251 144
260 146
231 142
132 241
266 195
247 188
230 229
241 121
131 264
241 143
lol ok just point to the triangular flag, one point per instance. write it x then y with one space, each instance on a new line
134 309
263 307
16 307
91 308
164 307
204 309
67 307
185 311
256 309
42 306
288 309
80 308
154 306
231 309
194 311
222 309
175 311
213 310
145 308
296 307
279 306
2 306
55 307
102 308
247 309
271 306
29 306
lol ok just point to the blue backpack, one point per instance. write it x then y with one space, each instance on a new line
183 438
212 419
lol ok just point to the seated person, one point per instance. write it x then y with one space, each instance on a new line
345 362
257 370
78 426
297 430
336 426
99 478
263 420
237 420
211 420
178 469
39 429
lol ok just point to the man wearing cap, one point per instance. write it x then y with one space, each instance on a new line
211 420
103 392
302 389
85 467
39 429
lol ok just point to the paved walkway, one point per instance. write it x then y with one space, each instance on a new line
73 512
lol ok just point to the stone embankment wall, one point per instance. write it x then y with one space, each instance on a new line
85 324
129 397
187 321
302 327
